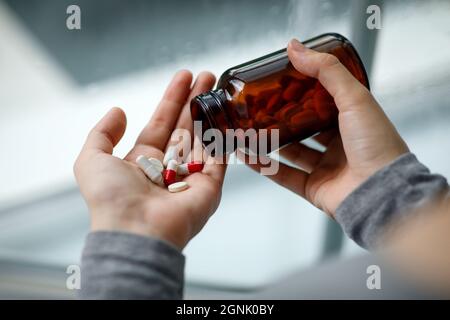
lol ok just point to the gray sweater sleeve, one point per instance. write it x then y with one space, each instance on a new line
120 265
392 192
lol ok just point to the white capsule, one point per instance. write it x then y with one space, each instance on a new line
183 170
150 171
178 186
172 165
157 164
171 154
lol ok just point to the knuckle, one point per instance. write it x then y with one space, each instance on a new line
329 60
159 124
358 95
361 94
158 120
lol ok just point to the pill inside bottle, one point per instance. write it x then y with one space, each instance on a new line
268 93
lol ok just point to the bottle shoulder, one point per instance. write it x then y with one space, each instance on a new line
255 69
273 61
276 60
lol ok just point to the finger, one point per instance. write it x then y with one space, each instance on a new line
106 133
288 177
216 170
158 130
204 82
346 90
301 155
215 167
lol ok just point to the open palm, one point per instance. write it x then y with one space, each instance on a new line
121 197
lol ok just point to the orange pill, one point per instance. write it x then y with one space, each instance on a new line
287 110
293 91
305 118
263 97
308 94
266 121
274 103
308 104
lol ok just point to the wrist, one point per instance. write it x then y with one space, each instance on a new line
139 222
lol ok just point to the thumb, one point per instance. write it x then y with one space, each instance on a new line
106 133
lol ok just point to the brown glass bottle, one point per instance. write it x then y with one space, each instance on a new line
268 93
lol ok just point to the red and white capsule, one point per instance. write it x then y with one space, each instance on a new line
171 154
190 167
150 170
170 173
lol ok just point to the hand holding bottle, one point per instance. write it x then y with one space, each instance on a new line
366 141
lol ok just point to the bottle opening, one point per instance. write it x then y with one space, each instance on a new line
199 113
209 108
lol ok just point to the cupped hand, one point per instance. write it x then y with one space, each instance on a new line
119 195
365 142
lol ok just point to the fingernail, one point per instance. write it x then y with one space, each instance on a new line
296 45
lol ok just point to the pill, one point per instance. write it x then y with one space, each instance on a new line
308 104
306 96
157 164
170 174
287 110
178 186
293 91
304 120
274 103
263 97
267 121
190 167
150 171
263 120
171 154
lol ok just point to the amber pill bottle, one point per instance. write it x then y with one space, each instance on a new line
268 93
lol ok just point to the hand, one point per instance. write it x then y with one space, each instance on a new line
366 142
119 195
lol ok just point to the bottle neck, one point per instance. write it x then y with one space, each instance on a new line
209 108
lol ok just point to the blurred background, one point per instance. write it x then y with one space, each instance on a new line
56 83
